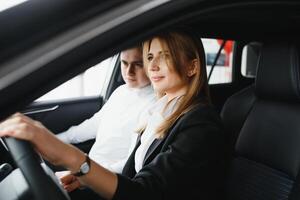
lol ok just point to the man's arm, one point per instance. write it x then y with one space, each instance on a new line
88 129
85 131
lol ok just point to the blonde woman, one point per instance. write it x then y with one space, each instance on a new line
179 149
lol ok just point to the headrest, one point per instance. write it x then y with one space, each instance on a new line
278 72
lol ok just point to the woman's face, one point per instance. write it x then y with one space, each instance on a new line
161 70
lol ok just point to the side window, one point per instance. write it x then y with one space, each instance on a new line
222 72
89 83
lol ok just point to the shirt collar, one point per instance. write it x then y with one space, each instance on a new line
144 91
160 106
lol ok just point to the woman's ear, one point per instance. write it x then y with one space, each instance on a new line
193 68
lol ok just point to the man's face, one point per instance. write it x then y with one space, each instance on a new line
132 69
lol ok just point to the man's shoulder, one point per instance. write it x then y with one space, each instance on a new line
120 90
123 87
148 92
144 95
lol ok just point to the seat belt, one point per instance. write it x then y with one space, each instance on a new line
216 59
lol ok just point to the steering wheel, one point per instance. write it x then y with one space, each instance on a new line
43 185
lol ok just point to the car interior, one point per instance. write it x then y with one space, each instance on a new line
259 110
264 133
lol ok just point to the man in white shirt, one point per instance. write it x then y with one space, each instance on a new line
115 124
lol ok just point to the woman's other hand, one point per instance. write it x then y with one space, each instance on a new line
68 181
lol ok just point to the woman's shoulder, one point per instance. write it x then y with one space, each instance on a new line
202 124
202 113
202 110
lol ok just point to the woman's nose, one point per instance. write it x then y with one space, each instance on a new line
154 65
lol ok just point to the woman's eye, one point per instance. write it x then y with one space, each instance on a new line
164 56
149 58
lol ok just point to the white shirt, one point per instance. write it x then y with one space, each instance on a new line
155 116
114 127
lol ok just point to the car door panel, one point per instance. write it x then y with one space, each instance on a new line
58 116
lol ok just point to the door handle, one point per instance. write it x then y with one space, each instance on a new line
29 112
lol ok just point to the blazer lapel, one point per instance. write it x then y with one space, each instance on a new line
156 146
152 149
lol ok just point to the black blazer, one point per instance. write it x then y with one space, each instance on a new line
186 164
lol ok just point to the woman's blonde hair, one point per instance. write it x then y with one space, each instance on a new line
184 47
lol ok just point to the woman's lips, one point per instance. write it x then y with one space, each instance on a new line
156 78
